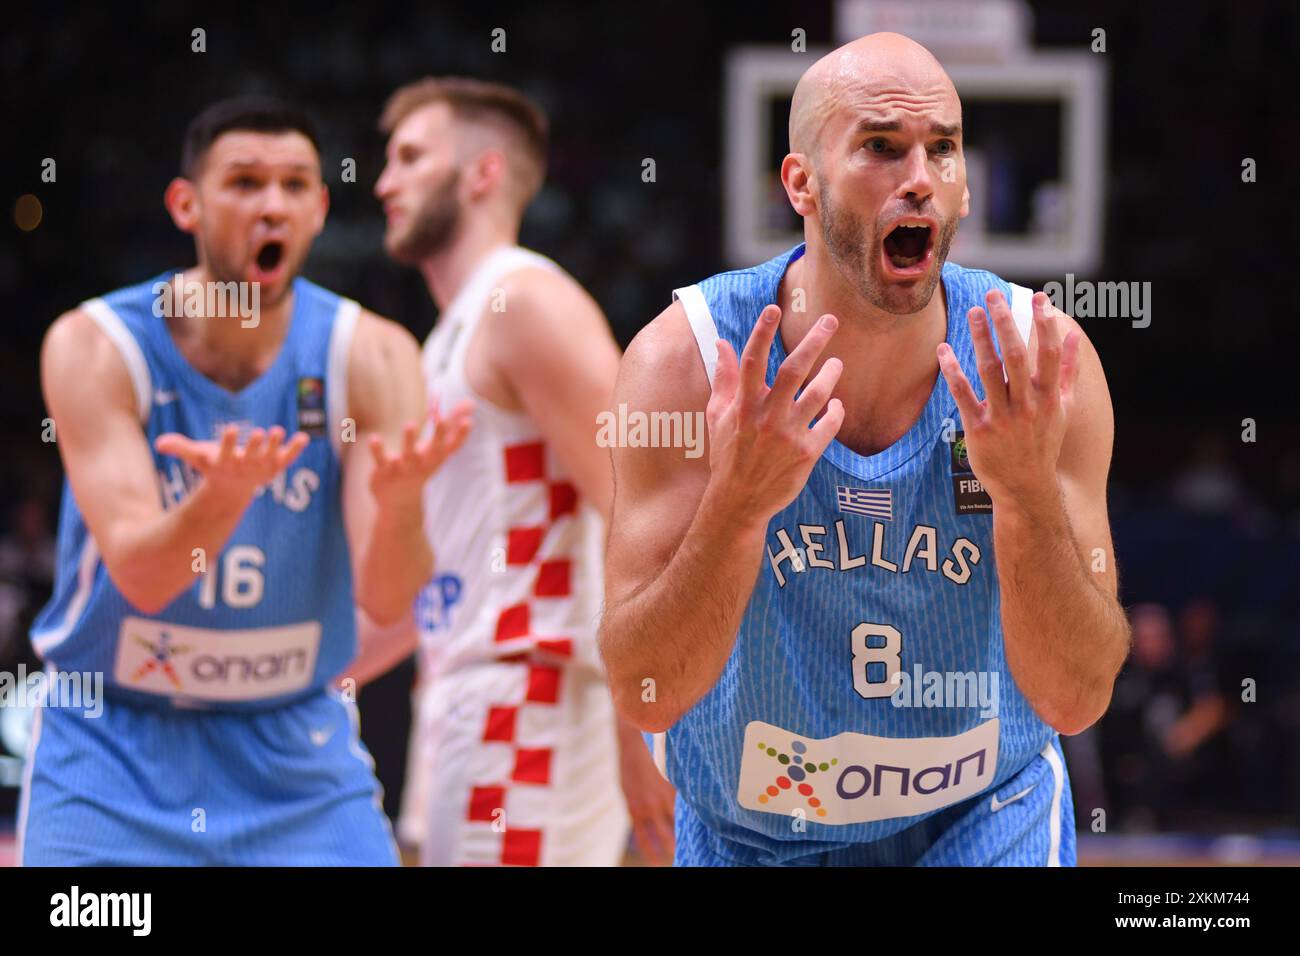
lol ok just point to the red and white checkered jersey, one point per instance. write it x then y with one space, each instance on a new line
518 554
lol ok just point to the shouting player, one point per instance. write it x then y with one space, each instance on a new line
868 613
243 471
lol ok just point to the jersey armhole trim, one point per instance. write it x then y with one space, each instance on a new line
336 371
702 325
1022 309
111 324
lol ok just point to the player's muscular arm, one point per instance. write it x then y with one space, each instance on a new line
1043 439
384 470
148 551
555 350
686 539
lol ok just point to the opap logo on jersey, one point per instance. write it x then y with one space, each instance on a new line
155 657
858 778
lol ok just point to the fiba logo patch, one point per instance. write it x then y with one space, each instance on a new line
311 405
960 460
968 493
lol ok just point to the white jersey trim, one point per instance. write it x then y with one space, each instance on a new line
706 331
111 324
89 561
1022 309
25 794
1054 821
336 389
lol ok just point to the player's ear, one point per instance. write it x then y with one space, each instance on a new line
799 179
323 209
485 172
180 198
965 202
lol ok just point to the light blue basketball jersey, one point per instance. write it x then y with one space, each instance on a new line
272 619
868 687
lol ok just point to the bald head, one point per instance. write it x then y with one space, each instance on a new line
876 72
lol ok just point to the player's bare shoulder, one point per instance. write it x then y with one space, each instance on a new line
662 367
383 367
82 368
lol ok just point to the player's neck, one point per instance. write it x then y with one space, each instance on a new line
232 350
446 271
889 360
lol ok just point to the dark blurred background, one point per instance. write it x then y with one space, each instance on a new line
1207 525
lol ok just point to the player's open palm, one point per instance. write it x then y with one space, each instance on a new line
226 466
402 474
760 445
1014 435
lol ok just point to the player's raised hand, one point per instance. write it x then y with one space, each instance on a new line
760 444
1014 435
228 467
402 475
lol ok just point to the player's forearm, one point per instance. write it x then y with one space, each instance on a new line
398 562
1065 638
666 644
152 562
380 649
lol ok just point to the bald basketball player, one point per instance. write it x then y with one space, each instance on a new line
243 472
516 757
871 609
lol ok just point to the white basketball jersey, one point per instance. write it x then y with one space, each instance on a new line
512 712
518 554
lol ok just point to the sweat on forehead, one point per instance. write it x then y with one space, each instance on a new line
886 70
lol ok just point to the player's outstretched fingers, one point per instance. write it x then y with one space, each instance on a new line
1015 356
794 370
987 362
227 450
753 361
251 457
1047 375
176 445
286 456
410 435
813 398
828 426
968 403
274 439
377 452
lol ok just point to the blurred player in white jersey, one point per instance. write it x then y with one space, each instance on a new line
517 755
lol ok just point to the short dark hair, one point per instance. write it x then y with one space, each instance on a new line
260 114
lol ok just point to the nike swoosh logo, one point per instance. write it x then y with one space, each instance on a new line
321 737
163 398
997 805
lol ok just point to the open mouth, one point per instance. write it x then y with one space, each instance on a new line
270 256
907 246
